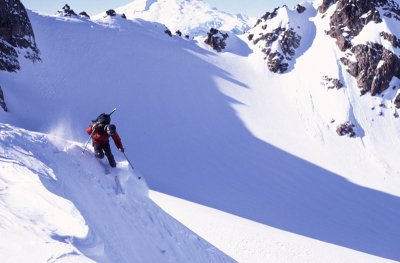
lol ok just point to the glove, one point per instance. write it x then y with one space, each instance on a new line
121 149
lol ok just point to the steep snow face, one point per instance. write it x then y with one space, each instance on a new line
191 17
57 204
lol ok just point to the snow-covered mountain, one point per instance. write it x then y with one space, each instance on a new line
190 17
246 156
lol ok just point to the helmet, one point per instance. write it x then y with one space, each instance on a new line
111 129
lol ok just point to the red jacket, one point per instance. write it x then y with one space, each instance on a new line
100 136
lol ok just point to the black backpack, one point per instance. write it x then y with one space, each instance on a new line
103 119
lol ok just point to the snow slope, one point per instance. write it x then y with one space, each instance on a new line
58 205
221 131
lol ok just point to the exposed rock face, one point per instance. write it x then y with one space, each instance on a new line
279 44
66 11
111 12
324 6
16 33
374 69
346 128
300 9
391 38
16 37
374 65
332 83
216 39
267 16
2 101
349 19
397 101
168 32
288 41
84 14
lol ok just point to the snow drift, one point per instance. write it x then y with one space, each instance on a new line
59 205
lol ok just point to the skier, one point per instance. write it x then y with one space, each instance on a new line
101 130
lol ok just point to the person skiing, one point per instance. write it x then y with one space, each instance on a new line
101 130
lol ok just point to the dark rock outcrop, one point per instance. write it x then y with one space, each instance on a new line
84 14
288 41
66 11
349 19
374 65
374 68
346 128
16 35
8 57
2 101
216 39
300 9
332 83
325 5
111 12
16 38
391 38
268 16
396 101
278 41
168 32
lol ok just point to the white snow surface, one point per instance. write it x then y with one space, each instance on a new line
248 160
59 205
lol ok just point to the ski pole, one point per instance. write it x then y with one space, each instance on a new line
112 111
91 135
133 168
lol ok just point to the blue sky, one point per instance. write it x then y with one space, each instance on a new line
252 8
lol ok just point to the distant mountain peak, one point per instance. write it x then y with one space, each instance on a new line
191 17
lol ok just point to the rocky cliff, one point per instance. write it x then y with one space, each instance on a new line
372 64
16 35
16 38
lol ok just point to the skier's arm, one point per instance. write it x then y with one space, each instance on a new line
91 128
117 141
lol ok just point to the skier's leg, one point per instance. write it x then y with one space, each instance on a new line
98 150
110 156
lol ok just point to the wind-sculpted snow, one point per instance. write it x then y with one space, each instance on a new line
59 204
